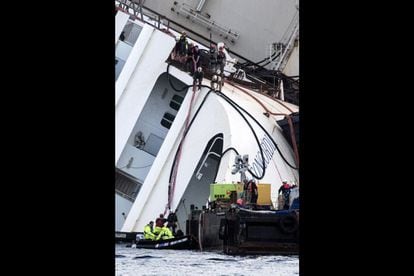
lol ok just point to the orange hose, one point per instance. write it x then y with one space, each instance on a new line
175 170
292 130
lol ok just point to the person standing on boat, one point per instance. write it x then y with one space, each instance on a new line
216 81
213 59
254 191
198 77
250 191
172 222
196 56
193 58
148 232
189 66
285 190
221 60
182 45
246 196
175 55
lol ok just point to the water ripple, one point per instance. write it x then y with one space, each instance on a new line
140 262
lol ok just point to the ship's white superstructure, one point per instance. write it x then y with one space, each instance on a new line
159 129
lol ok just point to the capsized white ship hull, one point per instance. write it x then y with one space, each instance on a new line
152 117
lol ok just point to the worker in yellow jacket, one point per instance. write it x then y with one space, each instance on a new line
161 231
148 233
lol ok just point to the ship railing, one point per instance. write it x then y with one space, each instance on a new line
144 14
163 23
210 24
280 51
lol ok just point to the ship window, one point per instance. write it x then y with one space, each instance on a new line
153 144
176 102
131 33
167 120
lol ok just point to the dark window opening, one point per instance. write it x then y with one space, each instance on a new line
176 102
167 120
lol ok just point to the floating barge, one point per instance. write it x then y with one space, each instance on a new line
235 230
184 242
255 229
245 231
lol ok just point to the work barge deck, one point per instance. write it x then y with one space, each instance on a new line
225 225
242 231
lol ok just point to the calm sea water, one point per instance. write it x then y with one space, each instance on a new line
133 261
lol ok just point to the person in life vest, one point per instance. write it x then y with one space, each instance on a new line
165 234
148 233
285 190
159 224
161 231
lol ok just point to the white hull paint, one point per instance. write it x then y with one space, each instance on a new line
143 82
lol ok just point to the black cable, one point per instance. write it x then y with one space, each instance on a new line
186 131
274 143
254 134
270 60
192 120
284 159
233 104
169 80
229 149
188 128
258 62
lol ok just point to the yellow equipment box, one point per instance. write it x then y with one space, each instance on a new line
223 190
264 194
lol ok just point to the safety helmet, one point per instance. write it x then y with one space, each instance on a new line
218 71
284 181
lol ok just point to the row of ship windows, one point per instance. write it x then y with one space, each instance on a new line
168 118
